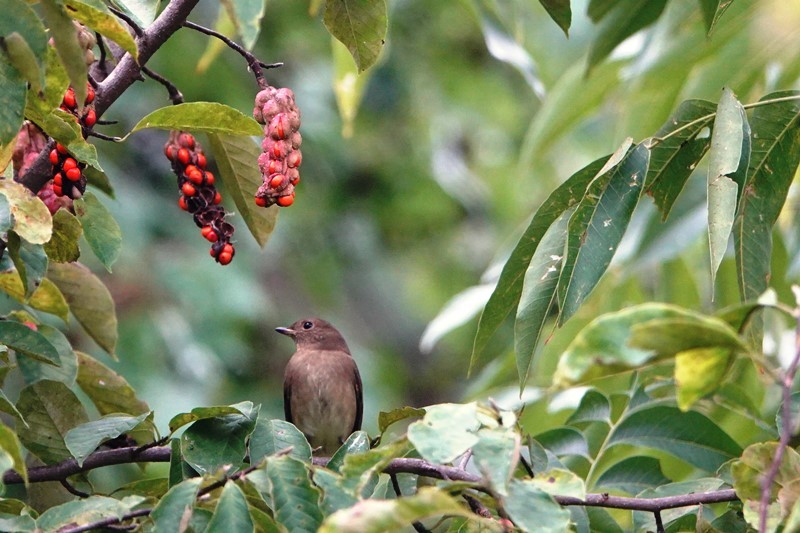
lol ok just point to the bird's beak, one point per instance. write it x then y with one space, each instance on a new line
286 331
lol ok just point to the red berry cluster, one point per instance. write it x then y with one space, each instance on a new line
277 111
68 178
198 194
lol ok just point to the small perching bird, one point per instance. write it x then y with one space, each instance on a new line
321 386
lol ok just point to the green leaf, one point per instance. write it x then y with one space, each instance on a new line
295 500
272 436
673 159
32 220
7 407
50 409
496 455
594 407
21 56
446 431
727 141
89 301
23 21
687 330
201 413
25 340
107 390
85 511
387 418
63 246
539 294
360 471
357 442
712 11
348 86
560 481
30 261
360 25
532 509
596 229
69 49
507 294
773 163
100 228
236 158
645 521
98 179
12 102
564 441
334 495
208 117
231 513
170 511
56 83
689 436
67 369
246 15
46 298
9 443
699 372
143 12
376 516
84 439
95 15
6 218
560 12
213 443
625 19
633 475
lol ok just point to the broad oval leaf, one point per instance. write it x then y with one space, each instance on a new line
360 25
201 413
295 500
63 247
170 511
209 117
236 158
32 220
564 441
532 509
272 436
107 390
358 442
46 298
25 340
594 407
699 372
387 418
100 229
9 443
67 369
85 511
84 439
220 442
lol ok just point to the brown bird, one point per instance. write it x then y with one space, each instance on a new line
321 387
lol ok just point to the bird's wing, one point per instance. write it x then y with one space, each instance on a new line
359 398
287 400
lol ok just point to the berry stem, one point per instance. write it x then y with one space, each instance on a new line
252 61
174 94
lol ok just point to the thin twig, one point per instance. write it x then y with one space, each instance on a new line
102 136
399 493
786 422
72 490
252 61
175 96
659 522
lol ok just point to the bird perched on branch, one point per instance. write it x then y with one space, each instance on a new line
321 387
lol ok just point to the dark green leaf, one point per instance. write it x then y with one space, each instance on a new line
596 229
560 12
143 12
622 21
712 11
509 287
386 419
12 102
89 300
272 436
63 246
21 56
7 407
231 513
295 500
21 20
564 441
95 15
200 413
50 409
673 159
109 391
30 261
209 117
689 436
236 159
99 180
65 36
633 475
33 370
84 439
100 229
334 495
25 340
773 163
170 511
358 442
9 443
85 511
360 25
594 407
213 443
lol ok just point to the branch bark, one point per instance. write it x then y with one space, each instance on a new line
124 74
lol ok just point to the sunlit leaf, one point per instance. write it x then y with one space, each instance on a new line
358 442
625 19
143 12
698 372
209 117
445 432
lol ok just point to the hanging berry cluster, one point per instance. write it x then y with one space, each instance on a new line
277 111
198 194
68 178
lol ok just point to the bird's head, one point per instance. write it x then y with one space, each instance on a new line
315 333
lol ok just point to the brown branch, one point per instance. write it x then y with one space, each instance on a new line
105 522
786 423
123 76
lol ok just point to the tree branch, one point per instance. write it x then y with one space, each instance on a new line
124 74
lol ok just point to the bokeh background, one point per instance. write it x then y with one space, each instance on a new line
476 111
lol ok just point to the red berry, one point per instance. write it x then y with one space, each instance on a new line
69 163
187 140
69 98
217 198
73 174
89 94
57 179
184 156
182 203
188 189
276 181
285 201
195 176
227 249
201 161
224 258
294 159
61 149
209 178
169 151
209 234
54 157
277 150
212 252
274 166
261 202
57 190
90 118
294 180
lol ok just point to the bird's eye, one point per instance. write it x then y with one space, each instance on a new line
307 325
